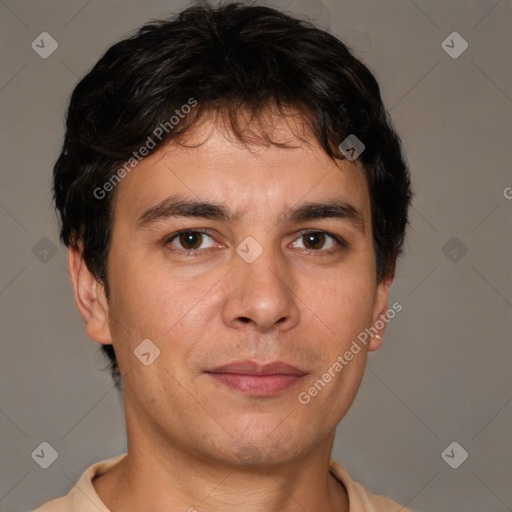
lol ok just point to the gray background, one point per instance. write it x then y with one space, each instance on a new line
444 371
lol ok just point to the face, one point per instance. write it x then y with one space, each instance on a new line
256 258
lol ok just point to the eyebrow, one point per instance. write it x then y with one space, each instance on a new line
172 207
330 210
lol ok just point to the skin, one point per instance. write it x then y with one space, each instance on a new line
295 303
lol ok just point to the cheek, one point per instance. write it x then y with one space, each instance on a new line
141 292
343 309
149 302
343 304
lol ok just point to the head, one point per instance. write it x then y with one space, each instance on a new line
229 120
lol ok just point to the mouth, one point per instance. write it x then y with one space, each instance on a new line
256 379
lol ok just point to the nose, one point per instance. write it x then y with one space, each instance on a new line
260 296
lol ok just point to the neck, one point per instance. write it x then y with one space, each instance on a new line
162 473
158 475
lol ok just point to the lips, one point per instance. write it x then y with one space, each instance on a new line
255 379
253 368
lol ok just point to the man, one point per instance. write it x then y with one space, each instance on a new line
234 200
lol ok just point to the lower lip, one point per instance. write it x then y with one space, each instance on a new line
257 385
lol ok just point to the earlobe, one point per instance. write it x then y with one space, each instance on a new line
381 307
90 298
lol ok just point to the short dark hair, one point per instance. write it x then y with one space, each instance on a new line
227 59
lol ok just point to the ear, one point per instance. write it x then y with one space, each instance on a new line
90 298
380 308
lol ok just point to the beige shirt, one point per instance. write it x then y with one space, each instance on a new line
83 497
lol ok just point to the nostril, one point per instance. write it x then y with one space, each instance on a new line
244 319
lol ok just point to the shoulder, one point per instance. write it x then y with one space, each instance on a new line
360 498
82 497
57 505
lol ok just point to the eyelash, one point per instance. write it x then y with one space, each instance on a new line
342 244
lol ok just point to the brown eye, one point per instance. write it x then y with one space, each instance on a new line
314 240
191 241
319 241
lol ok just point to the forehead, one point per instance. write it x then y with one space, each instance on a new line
211 164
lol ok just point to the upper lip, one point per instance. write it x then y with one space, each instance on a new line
254 368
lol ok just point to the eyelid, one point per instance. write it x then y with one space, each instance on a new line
341 241
170 238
